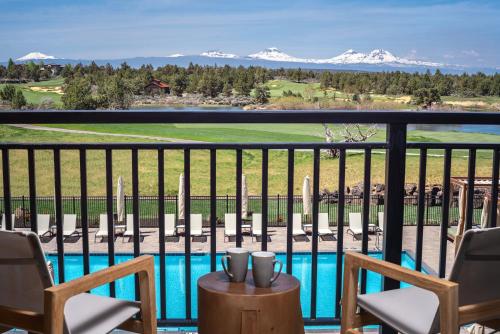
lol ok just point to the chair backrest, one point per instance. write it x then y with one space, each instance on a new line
230 221
130 222
297 221
43 222
169 222
355 220
23 271
257 222
476 268
103 222
196 223
69 222
380 220
323 220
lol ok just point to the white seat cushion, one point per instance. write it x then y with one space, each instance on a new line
408 310
86 313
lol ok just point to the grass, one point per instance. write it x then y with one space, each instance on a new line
226 161
35 97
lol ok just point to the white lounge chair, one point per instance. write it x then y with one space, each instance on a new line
355 224
4 224
103 227
170 230
229 225
297 225
196 225
69 226
256 225
43 224
323 226
27 293
129 232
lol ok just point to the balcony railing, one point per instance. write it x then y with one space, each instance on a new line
395 146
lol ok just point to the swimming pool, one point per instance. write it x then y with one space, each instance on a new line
200 265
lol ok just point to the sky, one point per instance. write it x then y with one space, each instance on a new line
453 32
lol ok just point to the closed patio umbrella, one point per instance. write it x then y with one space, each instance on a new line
244 197
120 200
485 214
306 196
180 198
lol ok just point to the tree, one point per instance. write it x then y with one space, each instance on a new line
33 71
244 82
7 93
262 94
18 101
78 95
356 98
12 70
227 90
209 85
425 97
115 93
179 84
350 133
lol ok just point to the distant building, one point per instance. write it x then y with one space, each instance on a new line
53 69
156 86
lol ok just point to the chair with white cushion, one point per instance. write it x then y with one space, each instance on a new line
29 299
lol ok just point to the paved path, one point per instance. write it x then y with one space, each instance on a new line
85 132
167 139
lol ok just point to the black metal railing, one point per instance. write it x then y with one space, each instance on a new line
277 215
395 146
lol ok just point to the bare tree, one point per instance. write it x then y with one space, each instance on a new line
349 133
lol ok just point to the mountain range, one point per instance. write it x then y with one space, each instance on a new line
351 60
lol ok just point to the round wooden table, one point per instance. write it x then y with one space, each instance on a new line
242 308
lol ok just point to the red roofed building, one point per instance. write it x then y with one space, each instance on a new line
156 86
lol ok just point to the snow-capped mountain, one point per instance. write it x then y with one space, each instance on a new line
35 56
350 60
375 57
348 57
218 54
275 54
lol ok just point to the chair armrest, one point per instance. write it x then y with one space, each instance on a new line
56 296
446 291
397 272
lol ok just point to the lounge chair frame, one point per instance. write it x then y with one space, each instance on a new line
451 315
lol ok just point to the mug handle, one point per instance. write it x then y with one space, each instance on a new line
224 265
279 271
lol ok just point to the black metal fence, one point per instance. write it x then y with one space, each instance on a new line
277 208
395 210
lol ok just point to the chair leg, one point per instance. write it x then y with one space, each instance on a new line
349 296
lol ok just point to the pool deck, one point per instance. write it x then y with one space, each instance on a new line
150 244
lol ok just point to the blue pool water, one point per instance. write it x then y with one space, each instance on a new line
200 265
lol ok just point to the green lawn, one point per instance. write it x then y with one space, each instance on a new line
35 97
252 160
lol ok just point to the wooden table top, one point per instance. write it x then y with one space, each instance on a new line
218 282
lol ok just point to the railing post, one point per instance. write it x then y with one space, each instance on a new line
394 201
394 197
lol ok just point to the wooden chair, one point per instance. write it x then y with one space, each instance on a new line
432 305
29 299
